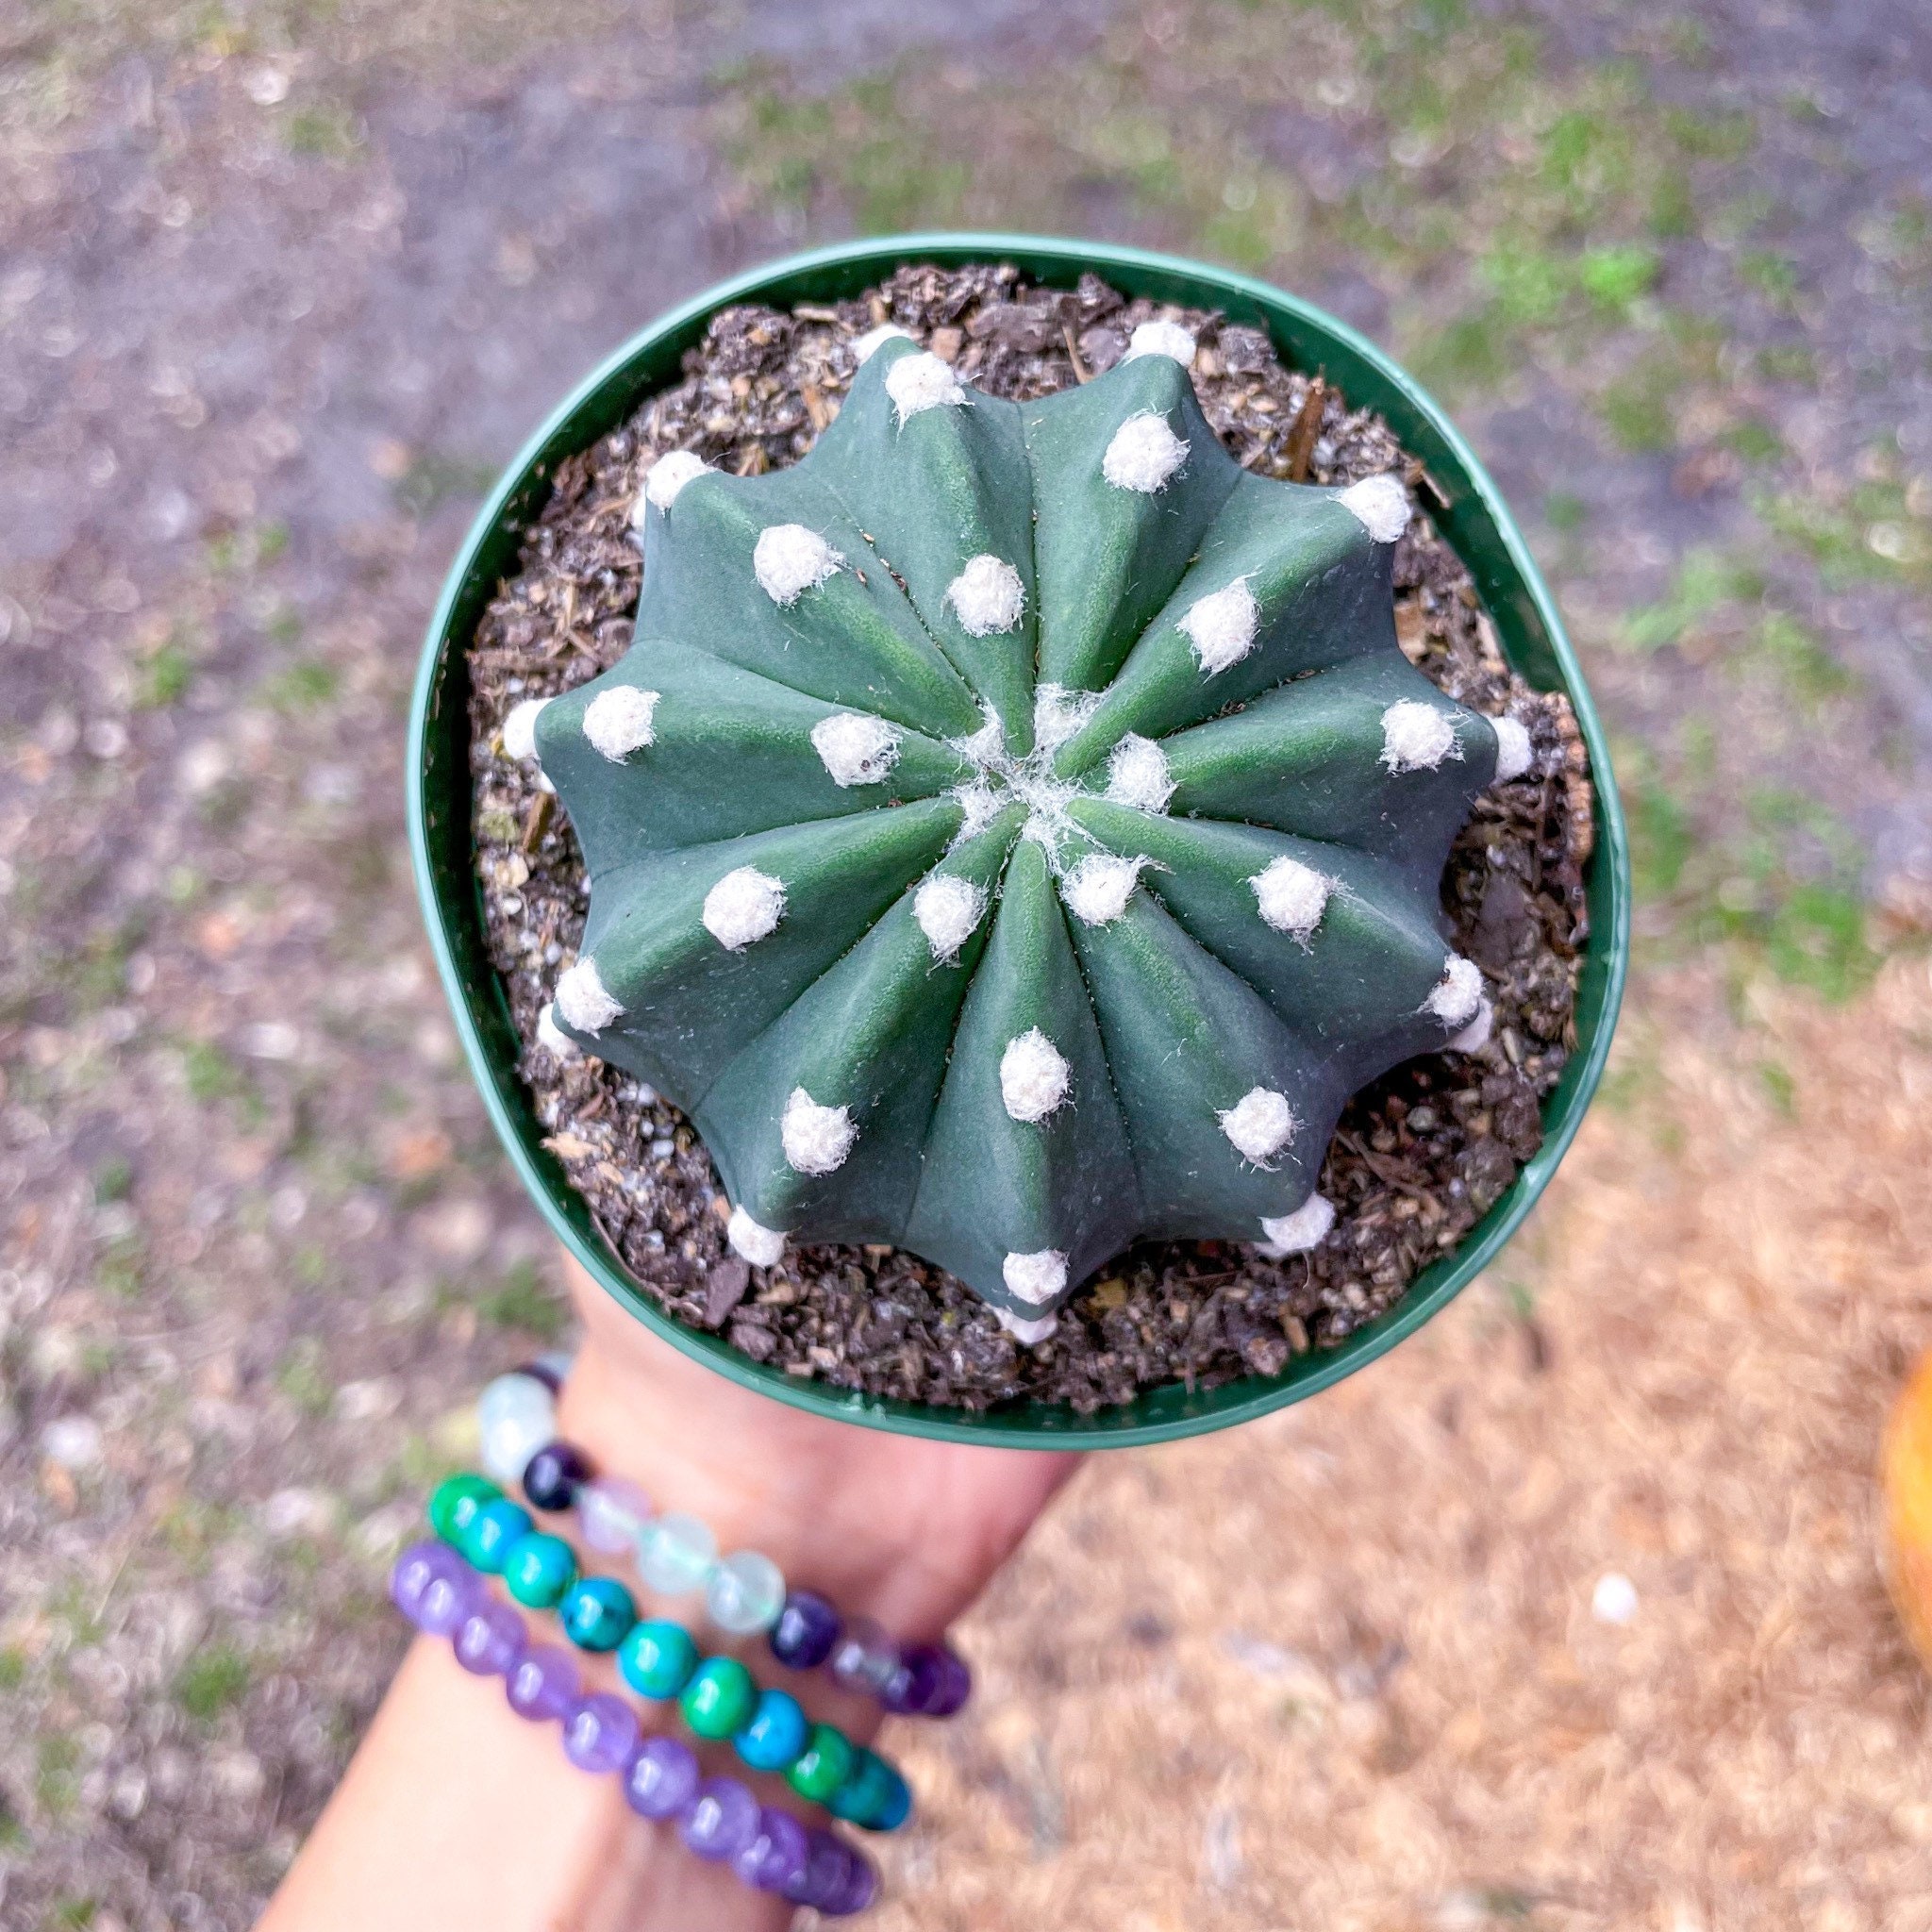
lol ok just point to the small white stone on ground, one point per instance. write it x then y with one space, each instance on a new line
817 1139
1296 1233
987 596
1221 626
1143 455
1035 1278
1162 339
1137 775
873 340
1058 714
920 382
552 1037
1513 753
1034 1076
583 999
855 747
1614 1599
948 908
1025 1332
1417 737
743 908
666 478
1456 995
1475 1036
1291 897
790 561
1098 888
617 722
1380 505
1260 1124
520 728
761 1246
73 1442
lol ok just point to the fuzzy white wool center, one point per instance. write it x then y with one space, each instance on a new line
921 382
1475 1036
763 1248
520 728
743 908
1260 1124
1380 505
666 478
1137 775
816 1139
948 908
1144 453
583 999
1098 889
1513 753
987 596
1457 994
1058 714
1417 737
1034 1076
1035 1280
1162 339
873 340
618 721
855 747
1291 897
1223 625
1296 1233
789 559
552 1037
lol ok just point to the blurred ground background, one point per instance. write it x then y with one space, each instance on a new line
1567 1615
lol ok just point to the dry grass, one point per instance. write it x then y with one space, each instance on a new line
1341 1670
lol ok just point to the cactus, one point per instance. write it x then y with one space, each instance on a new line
1014 829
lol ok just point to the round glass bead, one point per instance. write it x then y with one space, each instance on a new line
954 1688
600 1733
553 1476
775 1733
862 1887
745 1594
864 1658
719 1698
777 1857
657 1659
871 1793
806 1630
722 1821
539 1569
544 1683
455 1500
612 1513
828 1876
823 1766
516 1415
675 1553
433 1587
490 1640
909 1691
491 1531
598 1612
662 1778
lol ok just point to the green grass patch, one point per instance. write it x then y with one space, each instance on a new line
162 677
1707 580
214 1679
523 1300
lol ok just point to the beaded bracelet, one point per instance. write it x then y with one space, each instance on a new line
718 1818
676 1553
717 1696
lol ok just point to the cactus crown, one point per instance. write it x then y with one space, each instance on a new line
1015 829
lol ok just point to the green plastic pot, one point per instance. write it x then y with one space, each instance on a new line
1475 521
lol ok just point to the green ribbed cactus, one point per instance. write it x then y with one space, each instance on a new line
1015 830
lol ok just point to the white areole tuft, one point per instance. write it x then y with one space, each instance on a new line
1475 1036
763 1248
1296 1233
1291 897
1034 1076
1417 737
979 803
987 596
1143 455
665 479
1223 625
1027 1334
948 908
552 1037
1379 504
873 340
1456 997
1162 339
520 728
1058 714
743 908
816 1139
1260 1124
1137 775
790 561
1098 889
1514 756
855 747
920 382
1035 1280
617 722
583 999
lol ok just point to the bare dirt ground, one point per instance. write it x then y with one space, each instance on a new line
279 288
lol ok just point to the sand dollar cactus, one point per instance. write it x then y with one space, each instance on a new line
1015 830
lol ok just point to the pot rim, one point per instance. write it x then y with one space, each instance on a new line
1472 514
